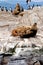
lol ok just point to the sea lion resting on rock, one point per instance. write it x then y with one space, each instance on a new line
30 32
25 32
17 9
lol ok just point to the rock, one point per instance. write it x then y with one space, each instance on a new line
41 62
4 61
37 63
31 16
33 46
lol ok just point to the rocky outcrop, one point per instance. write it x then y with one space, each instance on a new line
32 59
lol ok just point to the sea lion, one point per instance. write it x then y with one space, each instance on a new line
22 13
15 12
17 9
25 32
31 32
18 31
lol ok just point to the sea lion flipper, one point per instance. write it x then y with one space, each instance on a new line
29 32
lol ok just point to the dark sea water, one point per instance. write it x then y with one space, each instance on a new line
21 2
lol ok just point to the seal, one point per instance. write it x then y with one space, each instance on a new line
17 9
31 32
25 32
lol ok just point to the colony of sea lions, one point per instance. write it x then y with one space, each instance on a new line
17 9
25 32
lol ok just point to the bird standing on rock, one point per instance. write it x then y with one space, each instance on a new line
28 1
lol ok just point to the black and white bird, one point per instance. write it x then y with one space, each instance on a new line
28 1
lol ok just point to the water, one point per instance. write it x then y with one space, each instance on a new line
23 3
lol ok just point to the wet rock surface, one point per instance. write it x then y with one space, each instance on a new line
32 59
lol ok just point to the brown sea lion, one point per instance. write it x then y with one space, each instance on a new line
25 32
31 32
18 31
17 9
22 13
15 12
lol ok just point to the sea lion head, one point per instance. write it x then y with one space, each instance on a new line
17 5
35 24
